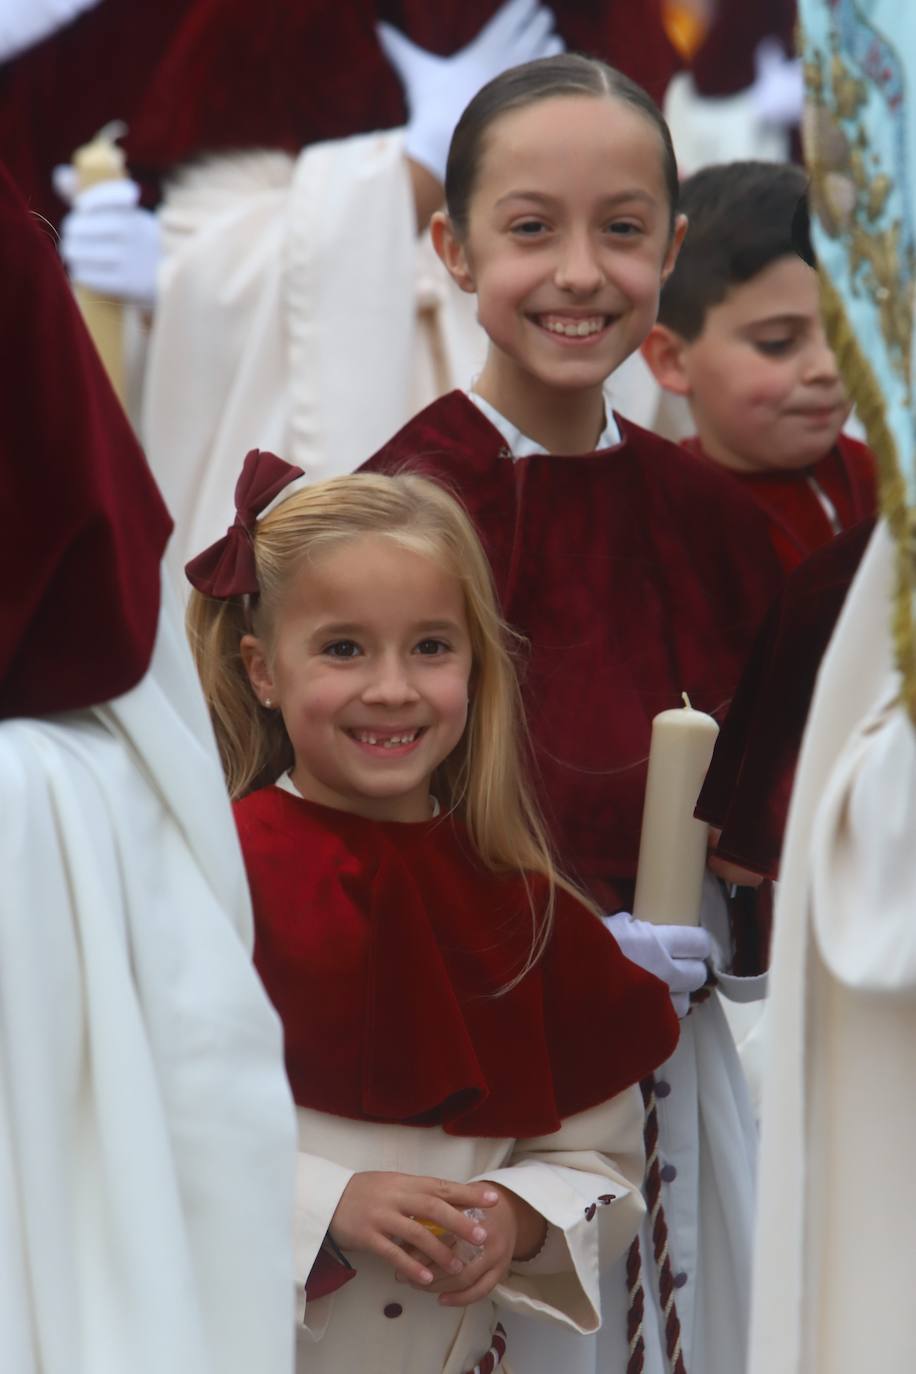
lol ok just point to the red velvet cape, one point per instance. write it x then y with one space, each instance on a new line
381 946
724 63
59 93
635 574
797 520
287 73
749 783
85 524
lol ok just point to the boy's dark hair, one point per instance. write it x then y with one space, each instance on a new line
739 220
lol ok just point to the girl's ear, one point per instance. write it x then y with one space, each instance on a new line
254 657
664 351
451 250
674 247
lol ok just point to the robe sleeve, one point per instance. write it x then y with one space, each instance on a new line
320 1184
585 1181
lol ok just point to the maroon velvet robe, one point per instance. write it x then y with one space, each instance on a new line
85 526
286 73
635 574
797 521
749 783
385 948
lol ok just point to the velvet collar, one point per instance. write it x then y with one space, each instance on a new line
382 946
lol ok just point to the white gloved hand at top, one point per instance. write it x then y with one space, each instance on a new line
779 87
112 245
437 89
675 954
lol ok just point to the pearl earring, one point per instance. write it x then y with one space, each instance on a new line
268 703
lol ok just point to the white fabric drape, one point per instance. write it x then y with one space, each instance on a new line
836 1245
147 1137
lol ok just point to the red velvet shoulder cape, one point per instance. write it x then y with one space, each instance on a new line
635 574
749 783
797 521
85 526
381 946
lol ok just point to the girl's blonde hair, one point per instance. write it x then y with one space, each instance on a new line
483 779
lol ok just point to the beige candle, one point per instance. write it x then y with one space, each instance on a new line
102 160
672 847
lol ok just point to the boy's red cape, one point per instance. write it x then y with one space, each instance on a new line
384 948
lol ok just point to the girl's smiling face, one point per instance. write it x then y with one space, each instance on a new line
370 664
568 242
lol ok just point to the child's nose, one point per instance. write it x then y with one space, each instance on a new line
390 684
579 269
820 362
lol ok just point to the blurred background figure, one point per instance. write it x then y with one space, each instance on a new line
146 1131
837 1241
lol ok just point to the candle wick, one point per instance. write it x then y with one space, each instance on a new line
686 700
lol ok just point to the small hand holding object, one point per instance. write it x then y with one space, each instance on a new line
384 1212
675 954
110 244
514 1231
438 88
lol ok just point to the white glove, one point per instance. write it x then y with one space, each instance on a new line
112 245
779 88
23 23
675 954
438 88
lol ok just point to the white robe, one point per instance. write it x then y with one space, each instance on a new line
594 1154
146 1130
836 1247
297 312
707 1135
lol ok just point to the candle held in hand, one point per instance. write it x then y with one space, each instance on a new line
672 847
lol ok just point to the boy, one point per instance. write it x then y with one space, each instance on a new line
739 335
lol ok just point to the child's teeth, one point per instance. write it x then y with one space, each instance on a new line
575 328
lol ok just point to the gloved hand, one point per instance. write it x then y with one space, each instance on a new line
676 954
438 88
110 244
779 88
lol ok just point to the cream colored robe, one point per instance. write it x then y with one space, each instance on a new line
297 312
595 1153
836 1247
147 1136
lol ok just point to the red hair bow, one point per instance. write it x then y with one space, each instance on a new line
227 568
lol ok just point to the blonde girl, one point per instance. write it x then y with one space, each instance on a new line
436 981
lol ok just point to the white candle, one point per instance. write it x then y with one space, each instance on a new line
102 160
672 846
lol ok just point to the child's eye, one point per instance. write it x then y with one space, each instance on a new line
529 228
342 648
432 647
624 228
773 348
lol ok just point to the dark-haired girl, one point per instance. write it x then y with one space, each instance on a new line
633 575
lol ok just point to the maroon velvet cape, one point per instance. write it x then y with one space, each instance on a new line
797 521
724 63
58 94
635 574
85 526
286 73
381 945
749 783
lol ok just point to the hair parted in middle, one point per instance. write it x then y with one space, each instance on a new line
741 216
484 778
567 74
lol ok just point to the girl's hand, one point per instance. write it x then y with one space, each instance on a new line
515 1232
378 1210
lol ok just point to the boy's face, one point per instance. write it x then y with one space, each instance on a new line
762 383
